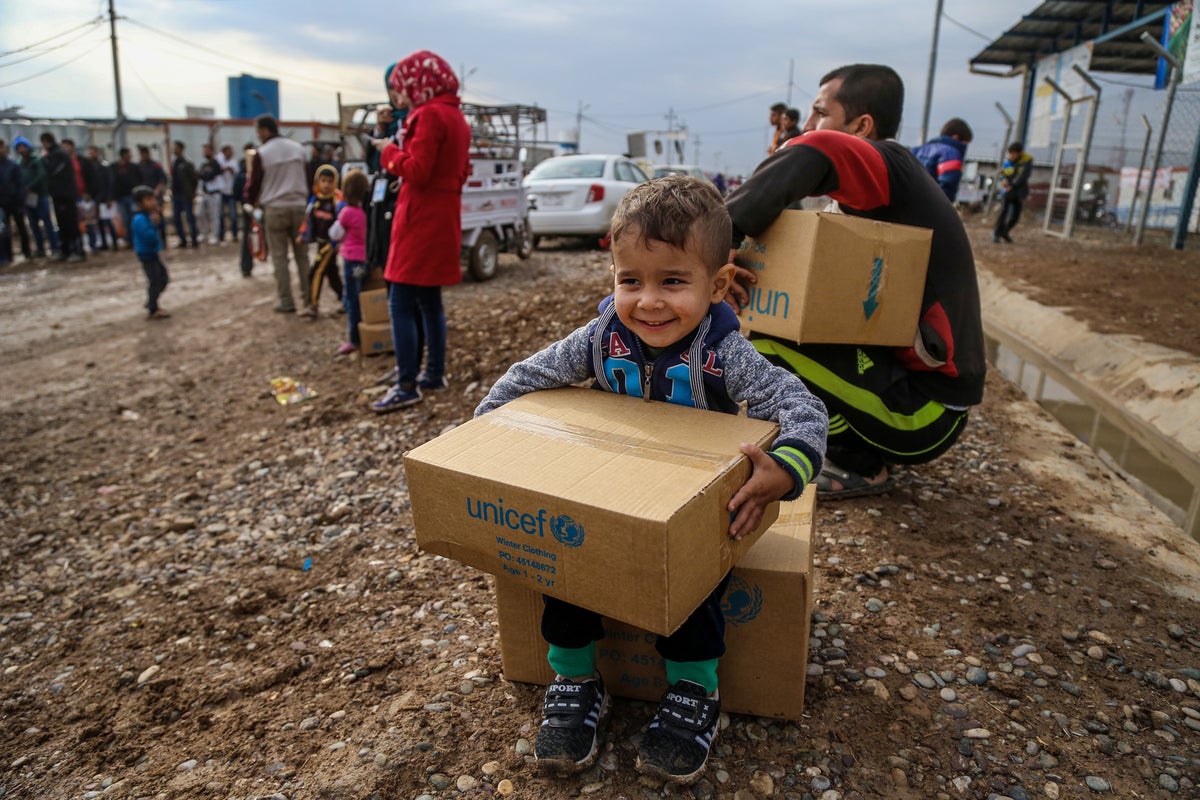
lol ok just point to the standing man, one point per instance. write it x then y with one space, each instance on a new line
943 157
210 181
183 194
12 207
64 193
1014 182
151 173
37 198
776 123
886 405
125 178
231 202
102 194
278 183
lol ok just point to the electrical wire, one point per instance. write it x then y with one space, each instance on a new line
965 27
52 69
48 50
149 91
309 79
52 38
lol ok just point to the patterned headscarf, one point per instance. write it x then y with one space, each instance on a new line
423 76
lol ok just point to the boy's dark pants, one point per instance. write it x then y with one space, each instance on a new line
156 280
1010 213
700 638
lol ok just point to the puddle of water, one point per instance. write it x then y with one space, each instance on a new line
1156 480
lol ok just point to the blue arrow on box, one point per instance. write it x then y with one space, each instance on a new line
872 303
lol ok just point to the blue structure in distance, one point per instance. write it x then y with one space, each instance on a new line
250 96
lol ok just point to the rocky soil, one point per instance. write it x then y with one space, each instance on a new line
204 594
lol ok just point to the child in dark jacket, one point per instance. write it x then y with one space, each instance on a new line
148 244
665 335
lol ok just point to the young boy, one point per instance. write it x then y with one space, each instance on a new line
322 211
147 243
664 334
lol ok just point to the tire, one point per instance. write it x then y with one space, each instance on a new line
484 257
526 242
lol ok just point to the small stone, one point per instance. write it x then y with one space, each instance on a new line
762 783
908 692
875 605
1023 650
466 783
977 733
1095 652
1178 685
1051 790
1168 783
948 694
439 781
1097 784
523 748
148 674
977 676
190 764
925 680
505 787
490 768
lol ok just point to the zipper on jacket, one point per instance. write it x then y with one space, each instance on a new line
648 368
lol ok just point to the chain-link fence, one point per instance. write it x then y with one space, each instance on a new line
1123 145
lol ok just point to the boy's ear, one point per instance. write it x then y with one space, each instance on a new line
721 281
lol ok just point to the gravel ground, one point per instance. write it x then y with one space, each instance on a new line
204 594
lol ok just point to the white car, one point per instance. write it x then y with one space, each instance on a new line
663 170
577 195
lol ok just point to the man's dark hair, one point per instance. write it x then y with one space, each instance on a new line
793 114
871 89
140 193
779 107
68 141
47 138
958 128
1016 147
124 151
268 123
179 143
144 148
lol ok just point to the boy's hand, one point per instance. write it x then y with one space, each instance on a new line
768 482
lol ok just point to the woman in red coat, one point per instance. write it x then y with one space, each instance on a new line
427 222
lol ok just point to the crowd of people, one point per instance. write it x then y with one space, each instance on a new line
59 203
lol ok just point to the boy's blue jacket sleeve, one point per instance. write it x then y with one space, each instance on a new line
771 392
564 363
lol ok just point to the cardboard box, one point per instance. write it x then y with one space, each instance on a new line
375 280
834 278
603 500
767 610
374 306
375 338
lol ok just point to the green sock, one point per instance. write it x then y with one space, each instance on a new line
573 662
703 673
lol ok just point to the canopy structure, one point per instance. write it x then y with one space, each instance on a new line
1113 27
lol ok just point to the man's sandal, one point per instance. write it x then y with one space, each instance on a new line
853 484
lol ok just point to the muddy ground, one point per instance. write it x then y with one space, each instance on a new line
204 594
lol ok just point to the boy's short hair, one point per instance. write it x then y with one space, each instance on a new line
958 128
140 193
779 107
268 123
793 114
676 210
1016 147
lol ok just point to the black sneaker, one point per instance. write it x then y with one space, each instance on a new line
426 381
573 716
675 747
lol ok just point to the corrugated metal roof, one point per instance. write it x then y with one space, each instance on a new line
1057 26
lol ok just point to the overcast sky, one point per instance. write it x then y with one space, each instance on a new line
716 66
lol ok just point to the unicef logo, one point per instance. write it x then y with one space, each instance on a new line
567 531
742 601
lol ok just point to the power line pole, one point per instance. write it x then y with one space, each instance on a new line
670 131
119 126
937 27
579 126
791 71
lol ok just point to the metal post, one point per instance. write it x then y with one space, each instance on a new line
1008 126
1189 197
1174 73
937 27
1137 186
119 125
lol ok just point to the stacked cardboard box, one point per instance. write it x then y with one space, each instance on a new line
836 278
767 608
375 330
602 500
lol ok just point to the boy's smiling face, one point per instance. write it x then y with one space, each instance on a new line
661 292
